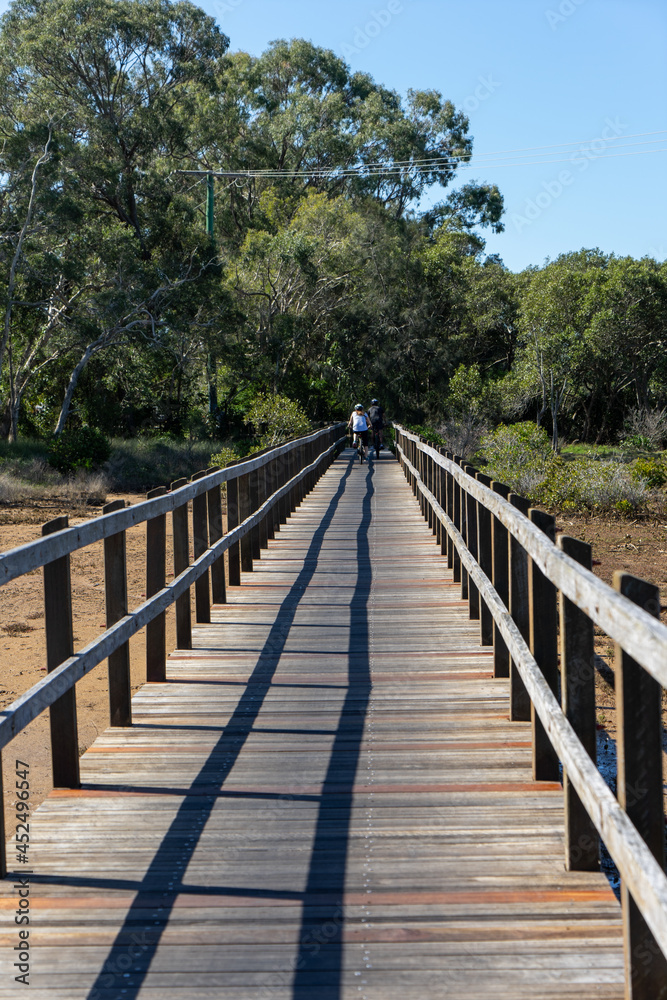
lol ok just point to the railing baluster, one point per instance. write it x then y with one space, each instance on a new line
640 790
457 569
582 851
115 591
156 569
59 647
233 521
463 509
254 501
485 558
181 562
245 510
543 604
520 708
200 545
500 542
449 488
216 532
471 528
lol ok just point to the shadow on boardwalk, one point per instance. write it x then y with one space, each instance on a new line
130 956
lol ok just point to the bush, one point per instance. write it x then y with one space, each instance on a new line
79 448
518 455
646 429
651 471
277 418
587 485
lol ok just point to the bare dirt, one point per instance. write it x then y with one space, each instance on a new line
22 636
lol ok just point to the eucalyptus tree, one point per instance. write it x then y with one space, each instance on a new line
114 79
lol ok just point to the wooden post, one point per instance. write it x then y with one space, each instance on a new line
59 647
181 563
156 570
463 508
215 532
500 544
115 590
582 851
200 545
234 557
283 478
471 525
443 499
254 501
450 510
263 496
485 559
520 708
640 791
3 833
244 512
542 599
456 518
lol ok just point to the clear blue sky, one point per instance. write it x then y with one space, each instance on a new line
529 73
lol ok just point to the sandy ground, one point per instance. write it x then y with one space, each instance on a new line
638 547
22 638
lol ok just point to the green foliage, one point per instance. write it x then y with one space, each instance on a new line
224 456
431 435
143 463
651 471
79 448
588 485
519 455
277 418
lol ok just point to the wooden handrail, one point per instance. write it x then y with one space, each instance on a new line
28 706
644 880
622 620
34 555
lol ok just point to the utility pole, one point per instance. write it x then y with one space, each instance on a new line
209 204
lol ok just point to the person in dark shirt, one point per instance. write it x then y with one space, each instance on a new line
376 417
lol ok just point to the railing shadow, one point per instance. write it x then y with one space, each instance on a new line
127 964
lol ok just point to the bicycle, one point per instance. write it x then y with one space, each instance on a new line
359 445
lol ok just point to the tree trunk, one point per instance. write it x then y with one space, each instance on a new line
74 378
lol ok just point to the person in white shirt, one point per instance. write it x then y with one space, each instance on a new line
359 424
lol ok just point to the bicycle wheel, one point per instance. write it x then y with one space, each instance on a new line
361 452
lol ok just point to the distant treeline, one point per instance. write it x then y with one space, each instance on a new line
325 286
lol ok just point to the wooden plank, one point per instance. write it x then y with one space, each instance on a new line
200 545
59 647
181 538
156 568
543 614
324 786
640 791
115 589
582 851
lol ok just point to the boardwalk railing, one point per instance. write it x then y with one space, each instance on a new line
262 491
537 603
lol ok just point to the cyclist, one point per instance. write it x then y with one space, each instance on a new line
376 417
359 425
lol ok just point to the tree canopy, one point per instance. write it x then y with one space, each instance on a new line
119 309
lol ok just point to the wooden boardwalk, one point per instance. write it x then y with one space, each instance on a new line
325 801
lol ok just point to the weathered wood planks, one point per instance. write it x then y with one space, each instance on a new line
325 798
